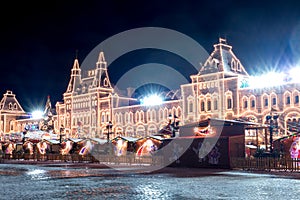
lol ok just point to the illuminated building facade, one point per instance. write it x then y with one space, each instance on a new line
90 103
10 110
221 89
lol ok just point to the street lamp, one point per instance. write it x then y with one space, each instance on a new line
61 129
109 127
273 125
174 124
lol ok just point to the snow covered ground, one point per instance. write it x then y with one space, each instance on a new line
20 181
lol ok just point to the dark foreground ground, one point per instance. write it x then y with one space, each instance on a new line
62 180
174 171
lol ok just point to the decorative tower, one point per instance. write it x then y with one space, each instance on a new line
47 122
213 92
10 110
75 79
74 85
101 79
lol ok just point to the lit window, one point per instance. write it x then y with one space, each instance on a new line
202 106
245 104
296 99
238 66
208 105
191 105
253 103
288 100
215 105
274 101
229 103
266 102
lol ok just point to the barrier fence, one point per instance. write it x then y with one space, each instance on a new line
131 159
266 163
252 163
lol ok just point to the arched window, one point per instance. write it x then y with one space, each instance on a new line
238 66
265 100
215 104
179 112
245 104
142 116
202 105
252 102
208 105
191 106
137 116
153 115
127 118
229 103
140 131
161 114
152 129
166 113
131 117
233 64
129 131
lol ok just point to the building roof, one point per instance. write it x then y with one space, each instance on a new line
222 59
10 104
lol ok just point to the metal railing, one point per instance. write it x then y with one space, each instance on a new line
131 159
266 163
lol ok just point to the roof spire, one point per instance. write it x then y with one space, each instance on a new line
76 64
222 40
101 58
76 54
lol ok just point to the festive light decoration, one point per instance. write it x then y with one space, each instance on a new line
147 148
152 100
121 147
42 146
67 148
86 148
272 79
37 114
29 146
10 147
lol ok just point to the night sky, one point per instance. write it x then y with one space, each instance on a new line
39 41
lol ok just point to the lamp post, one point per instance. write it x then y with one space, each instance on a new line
61 129
109 127
273 125
174 124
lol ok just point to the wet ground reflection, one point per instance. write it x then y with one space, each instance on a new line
53 182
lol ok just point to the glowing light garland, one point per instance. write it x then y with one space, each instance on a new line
152 100
272 79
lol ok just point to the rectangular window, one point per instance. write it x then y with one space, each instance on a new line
229 104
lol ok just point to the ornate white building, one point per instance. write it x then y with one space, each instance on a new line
219 90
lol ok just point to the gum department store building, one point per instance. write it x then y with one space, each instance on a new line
219 90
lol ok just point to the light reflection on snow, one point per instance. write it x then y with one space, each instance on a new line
39 182
37 174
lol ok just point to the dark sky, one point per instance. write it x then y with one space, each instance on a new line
39 40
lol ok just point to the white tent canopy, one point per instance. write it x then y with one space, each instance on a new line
40 135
